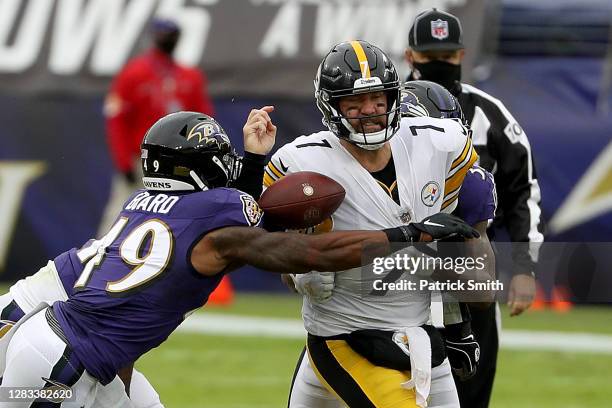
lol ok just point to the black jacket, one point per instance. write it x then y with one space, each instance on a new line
505 151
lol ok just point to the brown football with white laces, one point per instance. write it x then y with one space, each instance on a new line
301 200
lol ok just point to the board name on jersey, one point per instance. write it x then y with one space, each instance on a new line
158 203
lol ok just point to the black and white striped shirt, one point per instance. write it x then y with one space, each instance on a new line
505 151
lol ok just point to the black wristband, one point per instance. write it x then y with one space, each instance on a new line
403 233
458 330
251 176
466 315
255 158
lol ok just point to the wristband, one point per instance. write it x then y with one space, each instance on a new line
251 175
403 233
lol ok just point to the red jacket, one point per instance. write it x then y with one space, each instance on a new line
148 87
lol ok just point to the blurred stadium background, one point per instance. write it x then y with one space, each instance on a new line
550 61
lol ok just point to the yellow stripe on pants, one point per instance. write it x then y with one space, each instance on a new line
380 384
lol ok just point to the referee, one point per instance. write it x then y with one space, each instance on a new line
435 53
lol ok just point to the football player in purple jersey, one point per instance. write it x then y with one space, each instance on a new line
167 251
51 284
47 287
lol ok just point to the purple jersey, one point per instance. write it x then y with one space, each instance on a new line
67 272
136 284
477 197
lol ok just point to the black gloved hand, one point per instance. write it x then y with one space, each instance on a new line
444 226
462 349
438 226
129 176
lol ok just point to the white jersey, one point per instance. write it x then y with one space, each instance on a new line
431 159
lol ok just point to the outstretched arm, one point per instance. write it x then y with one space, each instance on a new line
285 252
298 253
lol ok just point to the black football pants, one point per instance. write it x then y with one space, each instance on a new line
476 392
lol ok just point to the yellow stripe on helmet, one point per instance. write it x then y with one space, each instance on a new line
361 57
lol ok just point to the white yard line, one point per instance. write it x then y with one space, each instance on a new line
234 325
557 341
242 326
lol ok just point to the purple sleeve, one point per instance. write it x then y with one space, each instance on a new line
238 209
477 197
218 208
67 270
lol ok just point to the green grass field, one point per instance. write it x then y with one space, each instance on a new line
196 370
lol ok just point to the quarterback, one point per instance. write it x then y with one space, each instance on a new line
395 170
476 205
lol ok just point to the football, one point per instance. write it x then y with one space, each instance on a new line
301 200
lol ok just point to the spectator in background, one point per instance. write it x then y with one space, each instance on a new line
435 53
150 86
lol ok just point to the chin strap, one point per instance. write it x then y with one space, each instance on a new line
370 146
198 180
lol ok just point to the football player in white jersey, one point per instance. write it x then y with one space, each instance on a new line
392 175
476 205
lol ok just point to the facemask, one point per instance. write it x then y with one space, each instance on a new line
444 73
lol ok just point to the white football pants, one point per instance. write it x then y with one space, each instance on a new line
36 356
46 287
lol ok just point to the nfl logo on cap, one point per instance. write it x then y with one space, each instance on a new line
435 30
439 29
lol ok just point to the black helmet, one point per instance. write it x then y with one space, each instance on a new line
351 68
425 98
187 151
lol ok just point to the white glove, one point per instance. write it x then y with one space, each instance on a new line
318 286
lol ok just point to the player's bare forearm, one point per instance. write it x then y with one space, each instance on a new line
298 253
481 255
481 247
125 374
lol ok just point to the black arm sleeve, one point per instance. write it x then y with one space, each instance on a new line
251 176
